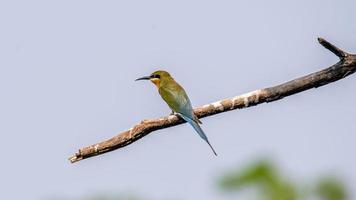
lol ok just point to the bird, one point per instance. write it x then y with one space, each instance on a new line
177 99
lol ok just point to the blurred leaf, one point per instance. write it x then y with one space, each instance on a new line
260 172
270 184
331 189
263 176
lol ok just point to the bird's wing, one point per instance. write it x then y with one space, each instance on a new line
187 110
171 97
178 100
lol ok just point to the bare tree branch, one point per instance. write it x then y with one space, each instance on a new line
345 67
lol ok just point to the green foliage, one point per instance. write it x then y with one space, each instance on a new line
331 189
268 182
264 177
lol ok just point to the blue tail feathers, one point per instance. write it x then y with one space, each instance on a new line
199 130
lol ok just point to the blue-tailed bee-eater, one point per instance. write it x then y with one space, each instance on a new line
177 99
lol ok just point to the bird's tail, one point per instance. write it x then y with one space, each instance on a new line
199 130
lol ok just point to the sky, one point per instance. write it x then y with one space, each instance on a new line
67 71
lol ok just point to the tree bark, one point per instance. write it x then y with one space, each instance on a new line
346 66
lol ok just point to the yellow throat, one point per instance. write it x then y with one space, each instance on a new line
156 81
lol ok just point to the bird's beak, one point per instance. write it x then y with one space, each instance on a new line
143 78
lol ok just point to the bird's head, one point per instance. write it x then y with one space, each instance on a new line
156 77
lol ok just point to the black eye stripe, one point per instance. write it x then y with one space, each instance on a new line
156 76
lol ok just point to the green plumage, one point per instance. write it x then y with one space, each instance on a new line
172 93
177 99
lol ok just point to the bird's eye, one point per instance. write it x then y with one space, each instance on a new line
156 76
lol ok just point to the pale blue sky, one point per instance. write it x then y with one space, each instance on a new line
67 71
